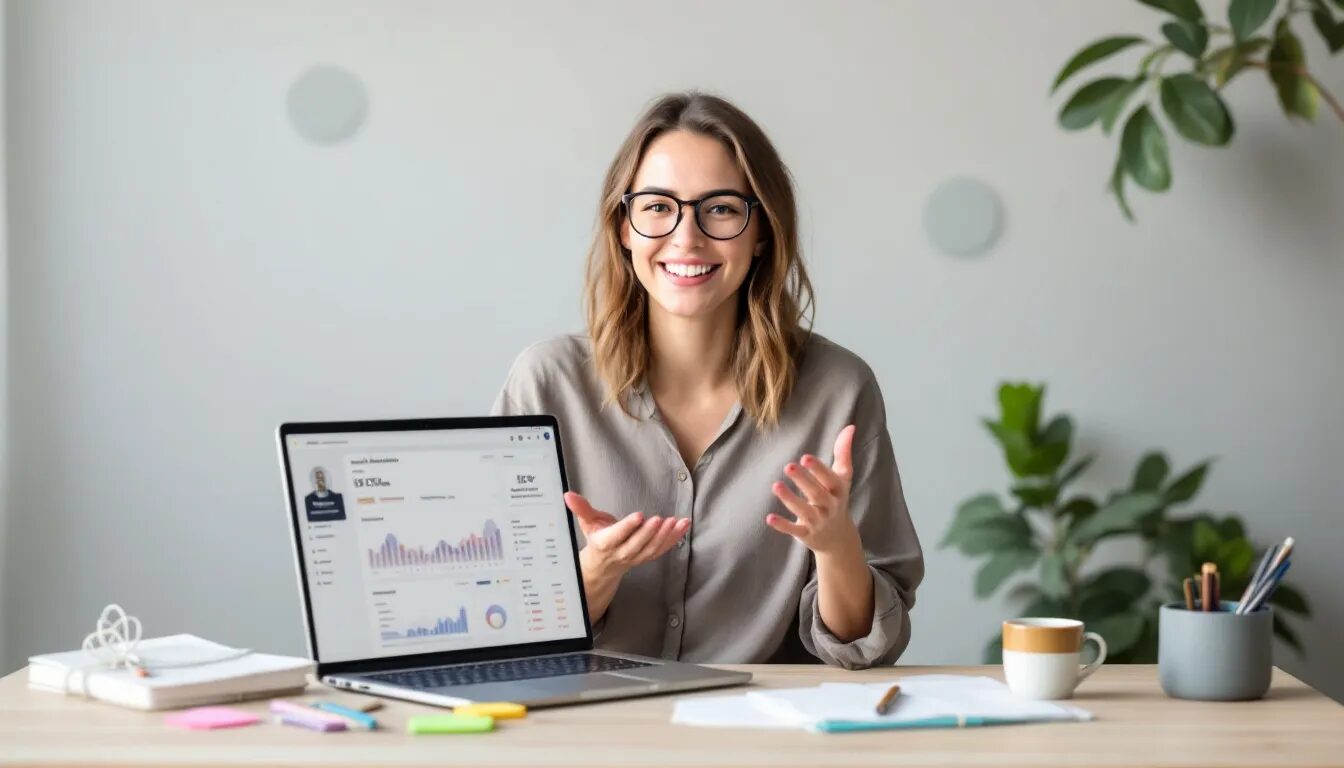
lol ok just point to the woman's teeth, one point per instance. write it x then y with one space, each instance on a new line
689 270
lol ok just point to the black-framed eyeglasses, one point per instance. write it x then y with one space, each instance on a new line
721 215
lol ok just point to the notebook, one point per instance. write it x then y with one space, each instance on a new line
925 701
254 675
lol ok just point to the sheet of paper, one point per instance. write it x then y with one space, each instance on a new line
723 712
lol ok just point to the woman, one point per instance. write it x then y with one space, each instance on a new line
695 387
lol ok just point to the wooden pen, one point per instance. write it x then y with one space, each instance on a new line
887 699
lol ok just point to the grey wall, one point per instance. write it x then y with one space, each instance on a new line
4 333
185 272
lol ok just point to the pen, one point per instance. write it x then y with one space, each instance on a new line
1274 565
1189 586
1260 570
362 719
887 698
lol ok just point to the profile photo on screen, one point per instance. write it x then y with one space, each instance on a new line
323 504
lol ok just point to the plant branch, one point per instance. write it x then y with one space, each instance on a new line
1304 74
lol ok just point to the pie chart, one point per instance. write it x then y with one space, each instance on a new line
495 617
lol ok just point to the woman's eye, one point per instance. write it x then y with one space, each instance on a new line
658 207
722 210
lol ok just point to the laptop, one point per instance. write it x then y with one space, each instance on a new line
437 563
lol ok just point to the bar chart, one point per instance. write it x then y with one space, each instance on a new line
444 626
484 549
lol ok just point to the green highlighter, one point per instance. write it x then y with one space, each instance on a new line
450 724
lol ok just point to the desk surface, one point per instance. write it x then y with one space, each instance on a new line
1136 725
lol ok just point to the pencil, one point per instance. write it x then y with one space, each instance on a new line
1208 573
887 699
1189 586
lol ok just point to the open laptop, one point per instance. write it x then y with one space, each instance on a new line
437 563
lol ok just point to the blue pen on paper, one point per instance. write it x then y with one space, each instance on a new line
849 726
363 719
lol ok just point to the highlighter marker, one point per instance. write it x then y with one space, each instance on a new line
360 718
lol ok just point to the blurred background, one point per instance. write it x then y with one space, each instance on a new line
206 236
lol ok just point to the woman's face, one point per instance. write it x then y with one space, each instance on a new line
685 165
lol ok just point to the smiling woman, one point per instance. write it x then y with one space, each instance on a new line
696 296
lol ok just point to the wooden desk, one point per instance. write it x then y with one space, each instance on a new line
1136 725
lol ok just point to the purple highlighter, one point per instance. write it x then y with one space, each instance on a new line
306 717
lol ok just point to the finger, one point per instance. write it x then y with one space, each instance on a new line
844 444
631 547
585 511
807 483
805 512
784 526
832 482
661 541
612 536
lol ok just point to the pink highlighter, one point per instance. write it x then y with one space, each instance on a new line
306 717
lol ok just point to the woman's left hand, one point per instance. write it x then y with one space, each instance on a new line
822 522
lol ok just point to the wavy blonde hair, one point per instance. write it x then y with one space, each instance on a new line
774 298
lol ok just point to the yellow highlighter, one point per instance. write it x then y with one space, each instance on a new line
449 724
499 710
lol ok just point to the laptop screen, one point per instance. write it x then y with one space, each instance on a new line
429 541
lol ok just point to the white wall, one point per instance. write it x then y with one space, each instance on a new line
186 273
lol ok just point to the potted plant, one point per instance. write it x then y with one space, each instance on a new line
1046 527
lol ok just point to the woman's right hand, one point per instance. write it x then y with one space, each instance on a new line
615 546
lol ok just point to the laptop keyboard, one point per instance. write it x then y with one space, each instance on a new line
506 671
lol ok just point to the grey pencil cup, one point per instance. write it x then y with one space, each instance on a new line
1214 656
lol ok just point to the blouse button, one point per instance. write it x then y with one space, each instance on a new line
674 620
681 475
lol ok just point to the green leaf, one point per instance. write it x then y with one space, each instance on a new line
1115 105
1078 508
1234 559
1150 473
1184 9
1225 63
1007 532
1118 188
1121 630
1052 447
1289 599
1190 38
1054 579
1020 407
1246 16
1003 564
1016 447
1231 528
1133 583
1196 110
1286 633
1119 515
1332 32
1093 53
1047 606
1034 493
1185 487
1286 63
971 513
1143 152
1074 471
1090 103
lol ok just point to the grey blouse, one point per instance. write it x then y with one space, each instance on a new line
734 590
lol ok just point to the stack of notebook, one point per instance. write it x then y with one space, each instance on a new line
180 674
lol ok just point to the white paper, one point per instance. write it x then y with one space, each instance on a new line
922 697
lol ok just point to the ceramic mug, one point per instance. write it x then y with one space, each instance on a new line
1041 656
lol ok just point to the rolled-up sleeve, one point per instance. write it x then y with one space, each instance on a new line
894 558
